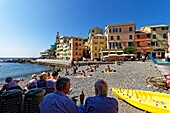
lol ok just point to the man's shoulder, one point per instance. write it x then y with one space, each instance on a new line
109 99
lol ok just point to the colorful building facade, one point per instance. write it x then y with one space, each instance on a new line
96 42
159 39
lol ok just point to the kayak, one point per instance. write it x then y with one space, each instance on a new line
153 102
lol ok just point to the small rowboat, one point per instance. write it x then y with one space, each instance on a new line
153 102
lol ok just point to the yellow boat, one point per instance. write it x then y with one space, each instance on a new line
153 102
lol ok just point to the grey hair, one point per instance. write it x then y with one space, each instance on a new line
62 83
102 87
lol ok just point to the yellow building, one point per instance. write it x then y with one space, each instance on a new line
97 42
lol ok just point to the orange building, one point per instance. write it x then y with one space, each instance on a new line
77 46
142 41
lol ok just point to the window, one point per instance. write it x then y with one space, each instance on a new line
79 39
154 37
95 54
138 44
101 42
111 38
76 39
80 54
95 37
163 28
80 49
159 53
130 36
118 29
113 44
130 28
95 42
165 36
119 45
130 44
154 43
110 30
118 37
79 44
154 29
138 36
113 30
149 44
148 35
95 48
76 48
92 31
76 44
76 53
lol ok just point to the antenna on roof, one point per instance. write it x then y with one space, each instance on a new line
80 34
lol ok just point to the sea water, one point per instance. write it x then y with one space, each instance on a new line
19 70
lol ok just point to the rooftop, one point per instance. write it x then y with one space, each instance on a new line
123 24
159 25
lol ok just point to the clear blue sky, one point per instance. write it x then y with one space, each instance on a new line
29 26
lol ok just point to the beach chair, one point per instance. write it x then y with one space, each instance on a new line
11 101
49 90
32 99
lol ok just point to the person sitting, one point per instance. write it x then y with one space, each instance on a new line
108 69
97 65
42 82
10 84
94 69
51 83
83 74
58 102
74 68
33 82
90 69
99 103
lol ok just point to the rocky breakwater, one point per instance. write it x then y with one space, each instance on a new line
53 64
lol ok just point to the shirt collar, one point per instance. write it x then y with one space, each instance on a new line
59 93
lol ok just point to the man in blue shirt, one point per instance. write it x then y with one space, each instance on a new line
99 103
58 102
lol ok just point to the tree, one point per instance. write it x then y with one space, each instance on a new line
129 50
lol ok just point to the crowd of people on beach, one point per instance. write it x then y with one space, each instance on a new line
58 102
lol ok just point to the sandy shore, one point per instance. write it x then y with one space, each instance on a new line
131 75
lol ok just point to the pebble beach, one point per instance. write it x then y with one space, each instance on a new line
129 75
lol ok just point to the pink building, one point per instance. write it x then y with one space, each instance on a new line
120 35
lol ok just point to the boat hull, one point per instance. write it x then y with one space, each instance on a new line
153 102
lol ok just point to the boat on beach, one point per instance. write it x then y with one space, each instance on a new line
153 102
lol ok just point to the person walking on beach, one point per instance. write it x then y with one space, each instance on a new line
99 103
58 102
